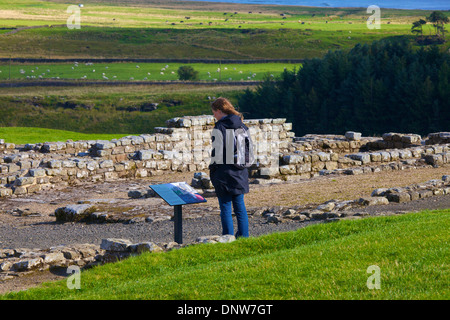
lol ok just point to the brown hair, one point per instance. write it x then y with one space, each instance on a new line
225 106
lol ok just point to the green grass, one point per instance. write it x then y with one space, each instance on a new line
23 135
141 71
324 261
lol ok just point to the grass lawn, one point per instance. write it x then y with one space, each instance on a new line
324 261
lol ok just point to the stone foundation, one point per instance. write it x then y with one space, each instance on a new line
185 146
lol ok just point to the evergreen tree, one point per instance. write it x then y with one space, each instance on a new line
377 88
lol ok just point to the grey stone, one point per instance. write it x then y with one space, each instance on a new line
28 264
53 258
75 212
113 244
226 238
363 157
23 181
379 192
371 201
103 145
398 197
327 206
37 172
351 135
207 239
145 247
145 154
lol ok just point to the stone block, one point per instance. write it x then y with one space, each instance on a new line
288 169
351 135
371 201
117 245
103 145
269 171
145 247
20 190
37 172
27 264
5 192
363 157
292 159
54 164
399 197
434 159
76 212
24 181
33 188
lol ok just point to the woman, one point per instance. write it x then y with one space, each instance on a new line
230 181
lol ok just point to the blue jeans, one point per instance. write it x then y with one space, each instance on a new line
240 212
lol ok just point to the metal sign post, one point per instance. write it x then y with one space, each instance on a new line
177 194
178 223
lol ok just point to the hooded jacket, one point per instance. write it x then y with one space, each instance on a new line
227 178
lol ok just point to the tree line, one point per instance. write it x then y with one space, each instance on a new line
438 19
386 86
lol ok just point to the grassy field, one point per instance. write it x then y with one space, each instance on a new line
24 135
116 110
142 71
324 261
155 29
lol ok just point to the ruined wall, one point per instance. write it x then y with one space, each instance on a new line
184 145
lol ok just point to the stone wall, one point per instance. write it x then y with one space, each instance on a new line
184 145
353 142
438 138
313 163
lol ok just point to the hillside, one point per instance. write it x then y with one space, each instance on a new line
155 29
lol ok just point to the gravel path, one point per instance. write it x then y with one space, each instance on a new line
49 233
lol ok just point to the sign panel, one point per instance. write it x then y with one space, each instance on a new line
177 193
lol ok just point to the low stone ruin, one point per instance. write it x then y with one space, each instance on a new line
185 146
333 210
20 262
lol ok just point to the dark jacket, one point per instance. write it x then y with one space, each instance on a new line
227 178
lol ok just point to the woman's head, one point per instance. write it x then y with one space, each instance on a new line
222 106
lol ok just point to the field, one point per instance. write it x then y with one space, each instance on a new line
142 71
153 29
97 109
135 29
325 261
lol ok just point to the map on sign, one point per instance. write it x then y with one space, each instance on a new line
177 193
